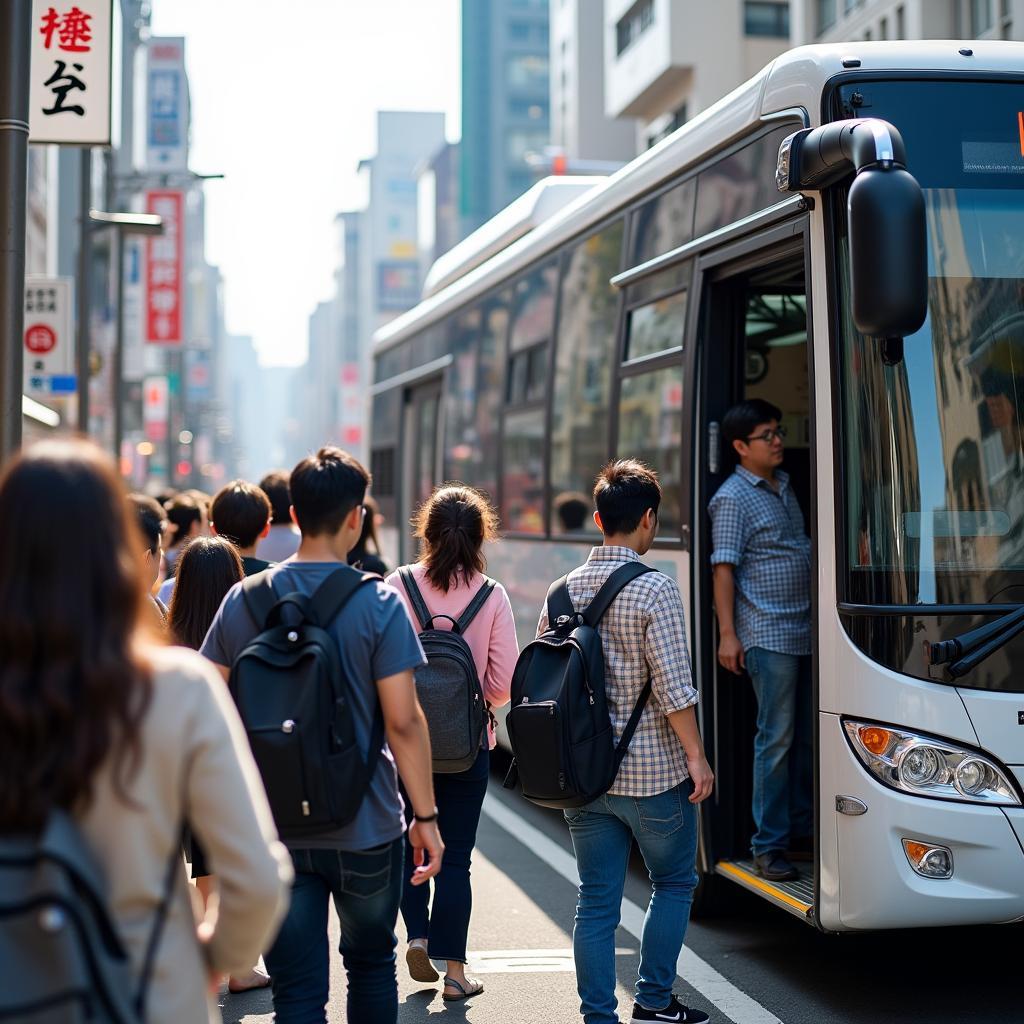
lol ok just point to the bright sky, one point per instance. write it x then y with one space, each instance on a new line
284 96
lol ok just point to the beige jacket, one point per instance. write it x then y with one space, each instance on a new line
196 766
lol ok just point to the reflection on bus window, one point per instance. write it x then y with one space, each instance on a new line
650 429
523 474
663 224
656 327
583 365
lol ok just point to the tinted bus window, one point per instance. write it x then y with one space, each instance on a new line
584 357
740 184
650 429
522 495
658 325
664 223
474 395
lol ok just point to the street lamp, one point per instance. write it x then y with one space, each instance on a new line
121 224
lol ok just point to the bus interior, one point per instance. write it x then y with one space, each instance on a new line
755 334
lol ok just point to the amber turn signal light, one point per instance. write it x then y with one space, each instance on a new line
875 739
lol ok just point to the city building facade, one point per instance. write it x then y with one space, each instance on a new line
505 103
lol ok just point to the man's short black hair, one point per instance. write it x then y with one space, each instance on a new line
240 511
275 486
624 491
181 512
151 519
325 488
743 417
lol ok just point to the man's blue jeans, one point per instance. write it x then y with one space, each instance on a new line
366 888
783 748
665 829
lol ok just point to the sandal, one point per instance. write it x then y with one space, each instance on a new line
420 967
475 988
254 980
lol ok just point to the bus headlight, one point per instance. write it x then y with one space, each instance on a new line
928 766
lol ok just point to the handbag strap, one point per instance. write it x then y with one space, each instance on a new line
171 873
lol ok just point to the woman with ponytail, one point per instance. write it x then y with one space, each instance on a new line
452 526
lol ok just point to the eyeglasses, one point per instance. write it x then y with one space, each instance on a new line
769 435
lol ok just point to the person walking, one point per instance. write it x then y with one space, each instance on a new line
366 554
452 526
186 519
152 524
131 738
283 540
239 513
762 588
207 569
663 775
358 865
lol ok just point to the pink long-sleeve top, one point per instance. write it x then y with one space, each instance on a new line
491 635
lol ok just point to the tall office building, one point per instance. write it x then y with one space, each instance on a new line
667 61
505 102
581 130
830 21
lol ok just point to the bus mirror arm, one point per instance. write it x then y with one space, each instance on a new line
885 217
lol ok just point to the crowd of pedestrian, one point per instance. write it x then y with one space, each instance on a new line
304 727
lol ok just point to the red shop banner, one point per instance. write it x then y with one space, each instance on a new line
165 269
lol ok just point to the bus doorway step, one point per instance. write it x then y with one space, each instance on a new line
797 897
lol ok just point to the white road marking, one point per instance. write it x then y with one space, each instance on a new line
527 961
698 973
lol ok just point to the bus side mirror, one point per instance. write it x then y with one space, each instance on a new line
888 253
888 233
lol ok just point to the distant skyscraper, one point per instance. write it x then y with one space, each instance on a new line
505 102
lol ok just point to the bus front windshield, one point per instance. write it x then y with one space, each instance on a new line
934 445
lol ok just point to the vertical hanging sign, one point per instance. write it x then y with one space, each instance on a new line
71 72
165 263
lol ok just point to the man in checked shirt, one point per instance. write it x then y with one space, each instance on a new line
762 567
663 776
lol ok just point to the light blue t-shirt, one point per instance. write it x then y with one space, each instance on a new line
375 640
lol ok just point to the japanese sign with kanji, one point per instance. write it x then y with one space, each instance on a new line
49 343
165 267
167 104
71 72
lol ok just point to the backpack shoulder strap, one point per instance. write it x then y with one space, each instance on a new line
174 866
559 602
258 594
611 588
333 594
474 606
419 606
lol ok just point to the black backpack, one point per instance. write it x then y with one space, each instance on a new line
448 687
296 705
63 958
558 722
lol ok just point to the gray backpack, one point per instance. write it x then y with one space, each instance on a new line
62 960
448 687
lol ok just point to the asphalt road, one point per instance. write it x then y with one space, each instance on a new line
750 964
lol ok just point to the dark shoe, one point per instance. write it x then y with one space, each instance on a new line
773 867
674 1013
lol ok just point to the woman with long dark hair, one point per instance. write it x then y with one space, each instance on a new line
208 568
452 526
130 738
366 554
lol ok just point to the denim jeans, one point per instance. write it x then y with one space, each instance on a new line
445 926
783 748
665 829
366 887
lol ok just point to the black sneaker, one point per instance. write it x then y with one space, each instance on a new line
674 1013
773 867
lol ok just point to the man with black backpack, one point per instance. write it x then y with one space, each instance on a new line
663 772
319 659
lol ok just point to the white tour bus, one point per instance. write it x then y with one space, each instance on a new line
764 251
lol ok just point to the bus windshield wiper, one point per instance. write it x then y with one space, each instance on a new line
968 650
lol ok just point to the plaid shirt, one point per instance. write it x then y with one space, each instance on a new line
644 637
760 531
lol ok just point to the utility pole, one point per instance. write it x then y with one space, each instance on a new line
83 370
15 66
